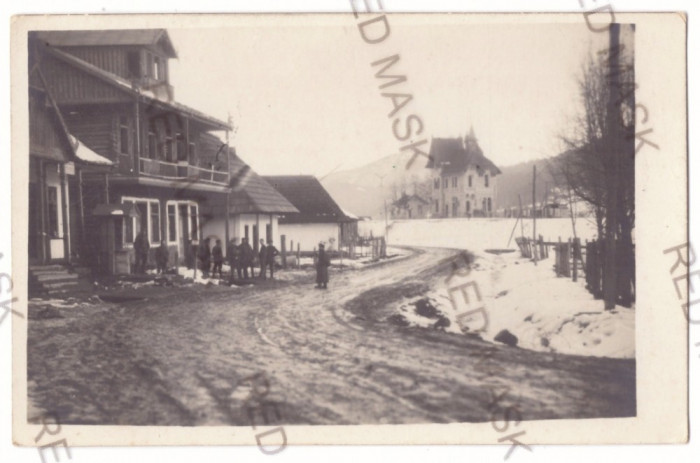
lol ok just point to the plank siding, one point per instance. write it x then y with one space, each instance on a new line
44 138
70 85
93 126
112 59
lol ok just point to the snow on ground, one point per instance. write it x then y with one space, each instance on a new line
544 312
475 234
189 273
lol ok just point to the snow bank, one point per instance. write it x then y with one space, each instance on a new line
544 312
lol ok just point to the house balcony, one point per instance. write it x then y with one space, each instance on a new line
182 171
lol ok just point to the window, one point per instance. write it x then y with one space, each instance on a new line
488 202
172 224
454 182
445 182
152 144
447 210
169 153
181 148
129 226
194 230
486 180
52 192
192 153
268 232
469 207
155 222
150 64
157 68
470 181
455 207
133 62
436 183
123 134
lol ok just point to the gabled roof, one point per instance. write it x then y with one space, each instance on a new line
127 86
403 201
306 193
250 193
451 156
114 37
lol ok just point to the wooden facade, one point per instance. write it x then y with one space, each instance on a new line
116 99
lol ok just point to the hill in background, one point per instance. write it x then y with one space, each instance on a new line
363 190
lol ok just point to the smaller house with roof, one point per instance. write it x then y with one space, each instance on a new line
410 207
464 180
319 218
254 206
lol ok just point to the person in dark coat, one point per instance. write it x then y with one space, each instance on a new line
233 253
270 255
217 255
246 258
322 264
141 247
162 257
262 259
205 257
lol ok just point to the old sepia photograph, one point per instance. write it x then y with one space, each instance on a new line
334 220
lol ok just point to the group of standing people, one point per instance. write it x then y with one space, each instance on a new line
141 248
241 258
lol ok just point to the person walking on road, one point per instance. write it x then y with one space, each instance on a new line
141 247
262 259
217 255
322 264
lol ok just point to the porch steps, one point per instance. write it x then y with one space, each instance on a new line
53 280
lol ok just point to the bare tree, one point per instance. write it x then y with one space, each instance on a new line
598 165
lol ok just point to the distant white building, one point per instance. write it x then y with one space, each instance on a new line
464 180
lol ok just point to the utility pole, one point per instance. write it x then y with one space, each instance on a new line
534 213
613 147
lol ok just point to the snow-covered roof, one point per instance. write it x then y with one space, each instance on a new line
85 154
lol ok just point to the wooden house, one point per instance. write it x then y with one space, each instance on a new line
464 180
57 162
113 88
319 218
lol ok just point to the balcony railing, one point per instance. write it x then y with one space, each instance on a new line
181 171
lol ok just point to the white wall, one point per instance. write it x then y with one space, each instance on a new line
308 235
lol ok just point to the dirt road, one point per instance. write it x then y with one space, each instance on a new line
330 358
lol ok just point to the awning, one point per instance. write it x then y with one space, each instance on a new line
116 210
85 154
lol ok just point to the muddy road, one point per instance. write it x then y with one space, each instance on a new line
331 357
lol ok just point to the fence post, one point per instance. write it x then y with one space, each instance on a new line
543 251
567 256
575 264
283 250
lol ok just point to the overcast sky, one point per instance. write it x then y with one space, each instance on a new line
304 98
